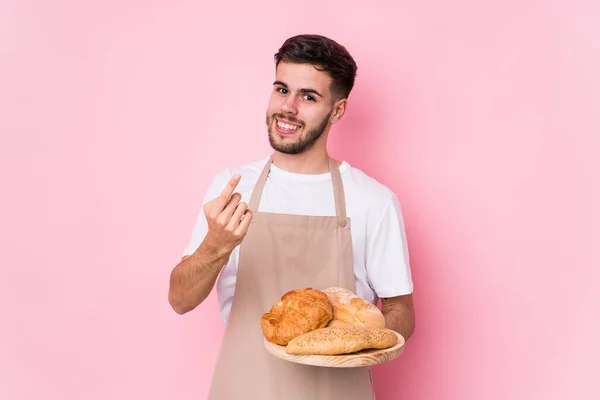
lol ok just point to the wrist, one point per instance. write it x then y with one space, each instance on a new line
209 247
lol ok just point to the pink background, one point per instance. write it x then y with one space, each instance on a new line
483 118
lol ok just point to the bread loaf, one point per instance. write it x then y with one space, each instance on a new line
351 310
334 341
297 312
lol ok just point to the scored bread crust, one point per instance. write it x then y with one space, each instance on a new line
297 312
352 310
335 341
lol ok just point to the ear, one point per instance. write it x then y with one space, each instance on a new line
339 108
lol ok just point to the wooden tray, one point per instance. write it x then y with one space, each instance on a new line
362 358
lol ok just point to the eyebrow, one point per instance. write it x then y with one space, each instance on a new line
303 90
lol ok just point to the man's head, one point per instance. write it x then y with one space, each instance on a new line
314 78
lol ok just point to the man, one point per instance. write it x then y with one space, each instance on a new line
293 220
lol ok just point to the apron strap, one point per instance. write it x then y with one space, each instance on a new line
260 185
336 178
338 190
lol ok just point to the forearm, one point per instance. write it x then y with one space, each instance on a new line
400 319
193 279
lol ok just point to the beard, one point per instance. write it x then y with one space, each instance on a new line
305 142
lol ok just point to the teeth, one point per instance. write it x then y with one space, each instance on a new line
287 126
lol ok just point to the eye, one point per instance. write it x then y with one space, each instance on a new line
309 97
282 90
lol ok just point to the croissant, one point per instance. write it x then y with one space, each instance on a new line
297 312
351 310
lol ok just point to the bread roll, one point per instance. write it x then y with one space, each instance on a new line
297 312
351 310
334 341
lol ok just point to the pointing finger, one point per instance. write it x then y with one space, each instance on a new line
228 191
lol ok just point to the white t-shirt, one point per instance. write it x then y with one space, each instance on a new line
380 253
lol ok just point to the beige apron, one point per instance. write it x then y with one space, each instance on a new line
282 252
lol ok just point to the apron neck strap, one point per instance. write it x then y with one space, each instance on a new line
260 185
338 189
336 178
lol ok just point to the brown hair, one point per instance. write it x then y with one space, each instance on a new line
325 55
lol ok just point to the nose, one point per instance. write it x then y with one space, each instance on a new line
289 106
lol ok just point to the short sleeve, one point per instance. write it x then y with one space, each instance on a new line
387 258
201 225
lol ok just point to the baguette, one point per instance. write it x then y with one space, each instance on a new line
338 340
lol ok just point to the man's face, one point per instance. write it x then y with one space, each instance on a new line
300 107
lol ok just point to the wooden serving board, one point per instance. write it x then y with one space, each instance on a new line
362 358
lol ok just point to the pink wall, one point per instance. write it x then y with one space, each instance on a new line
482 117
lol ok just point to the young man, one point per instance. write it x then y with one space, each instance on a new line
293 220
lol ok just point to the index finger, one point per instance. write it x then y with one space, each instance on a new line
228 191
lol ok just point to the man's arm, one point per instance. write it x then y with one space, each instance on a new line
194 277
399 314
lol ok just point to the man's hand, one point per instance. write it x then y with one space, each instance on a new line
228 219
194 277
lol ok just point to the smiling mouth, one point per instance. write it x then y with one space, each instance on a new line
286 127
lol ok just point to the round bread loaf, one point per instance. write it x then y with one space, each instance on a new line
352 310
297 312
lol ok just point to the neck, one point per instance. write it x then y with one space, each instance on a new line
309 162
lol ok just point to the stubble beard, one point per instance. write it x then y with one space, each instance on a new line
304 143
